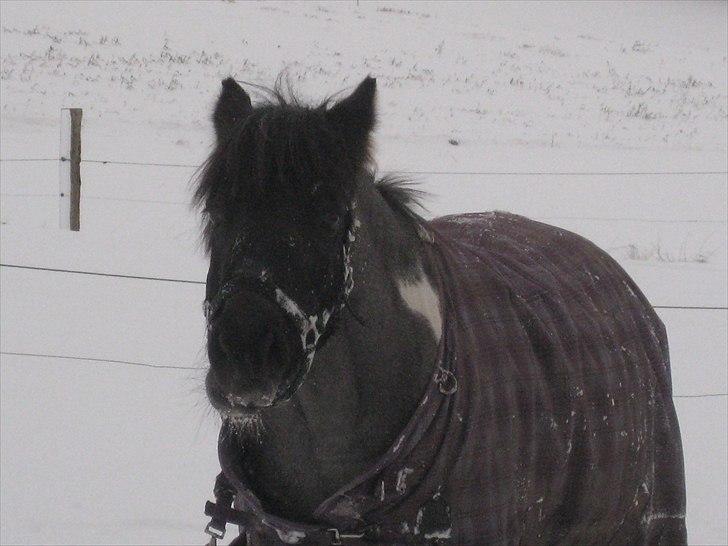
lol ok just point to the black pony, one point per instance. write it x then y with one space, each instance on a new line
382 379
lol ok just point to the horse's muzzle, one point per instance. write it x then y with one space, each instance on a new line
251 347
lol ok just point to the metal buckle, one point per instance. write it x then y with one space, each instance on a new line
446 381
337 536
215 532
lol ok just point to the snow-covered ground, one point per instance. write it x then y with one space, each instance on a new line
609 119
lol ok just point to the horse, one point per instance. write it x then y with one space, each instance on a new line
385 379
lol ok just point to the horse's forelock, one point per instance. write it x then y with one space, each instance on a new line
281 151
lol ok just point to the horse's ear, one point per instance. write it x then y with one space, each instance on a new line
233 105
355 115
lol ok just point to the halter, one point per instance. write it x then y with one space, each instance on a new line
312 329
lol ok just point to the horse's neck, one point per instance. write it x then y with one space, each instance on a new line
365 382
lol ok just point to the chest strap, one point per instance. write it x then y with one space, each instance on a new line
222 513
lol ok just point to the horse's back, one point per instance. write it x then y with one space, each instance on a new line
568 365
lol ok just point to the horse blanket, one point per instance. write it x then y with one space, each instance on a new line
549 419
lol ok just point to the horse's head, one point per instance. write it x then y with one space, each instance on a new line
278 200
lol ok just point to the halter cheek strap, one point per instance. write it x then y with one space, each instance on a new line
311 328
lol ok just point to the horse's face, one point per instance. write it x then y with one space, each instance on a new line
278 199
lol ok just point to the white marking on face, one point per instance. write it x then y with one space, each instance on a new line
420 297
290 306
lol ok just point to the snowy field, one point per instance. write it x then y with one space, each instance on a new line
608 119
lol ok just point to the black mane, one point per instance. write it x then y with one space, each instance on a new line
403 196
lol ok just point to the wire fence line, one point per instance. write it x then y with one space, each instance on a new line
99 274
192 368
402 171
406 172
105 360
541 218
29 159
30 194
134 200
104 198
548 218
189 281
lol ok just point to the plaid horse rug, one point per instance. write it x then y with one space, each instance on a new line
549 419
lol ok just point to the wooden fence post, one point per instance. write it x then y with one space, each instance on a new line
70 169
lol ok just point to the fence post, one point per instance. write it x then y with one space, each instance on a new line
70 169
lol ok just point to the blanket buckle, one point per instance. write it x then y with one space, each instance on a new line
215 532
446 381
337 536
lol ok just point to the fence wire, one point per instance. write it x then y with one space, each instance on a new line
189 281
401 171
106 360
540 218
169 367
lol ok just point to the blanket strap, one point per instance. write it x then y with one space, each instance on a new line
222 513
219 510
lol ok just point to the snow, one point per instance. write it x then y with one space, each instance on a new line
94 453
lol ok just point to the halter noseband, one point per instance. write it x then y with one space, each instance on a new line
311 328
